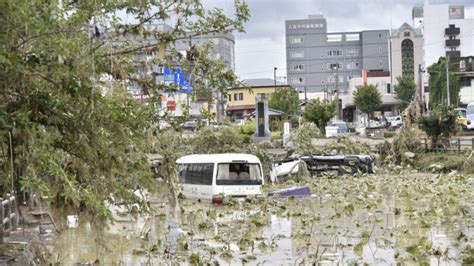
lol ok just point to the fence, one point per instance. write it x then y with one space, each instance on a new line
454 145
8 215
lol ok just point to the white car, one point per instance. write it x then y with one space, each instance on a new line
396 121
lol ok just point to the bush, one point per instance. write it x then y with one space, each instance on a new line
249 128
301 138
216 140
389 134
445 162
440 123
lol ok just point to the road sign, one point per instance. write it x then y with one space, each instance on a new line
177 77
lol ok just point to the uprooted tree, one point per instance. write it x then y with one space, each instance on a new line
77 137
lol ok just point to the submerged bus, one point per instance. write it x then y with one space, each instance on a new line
210 177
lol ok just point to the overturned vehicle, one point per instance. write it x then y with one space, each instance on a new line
322 164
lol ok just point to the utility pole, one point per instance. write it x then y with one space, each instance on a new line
447 79
275 76
305 95
419 90
336 67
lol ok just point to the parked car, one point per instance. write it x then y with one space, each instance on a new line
462 120
395 121
342 127
189 125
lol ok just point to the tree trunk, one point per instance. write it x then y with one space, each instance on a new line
368 120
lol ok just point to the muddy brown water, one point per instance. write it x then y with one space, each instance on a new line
379 222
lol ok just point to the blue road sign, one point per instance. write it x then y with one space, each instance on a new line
177 77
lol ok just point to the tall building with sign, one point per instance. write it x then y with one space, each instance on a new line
315 57
446 31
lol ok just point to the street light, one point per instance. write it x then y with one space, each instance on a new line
275 76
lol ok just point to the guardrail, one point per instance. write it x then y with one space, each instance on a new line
8 215
453 144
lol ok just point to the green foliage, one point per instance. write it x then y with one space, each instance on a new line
78 137
367 99
438 82
248 128
302 136
439 123
445 162
407 139
405 90
285 100
319 112
216 140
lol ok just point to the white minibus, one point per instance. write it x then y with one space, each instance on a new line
210 177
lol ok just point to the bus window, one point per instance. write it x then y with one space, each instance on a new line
207 173
238 174
198 174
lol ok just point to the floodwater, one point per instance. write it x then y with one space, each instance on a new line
367 219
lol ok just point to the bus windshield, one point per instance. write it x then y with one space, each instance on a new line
239 174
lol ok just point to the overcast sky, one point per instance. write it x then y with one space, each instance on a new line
262 47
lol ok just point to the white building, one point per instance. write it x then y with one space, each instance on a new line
381 79
446 31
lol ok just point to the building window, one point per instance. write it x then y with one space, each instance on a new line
380 50
352 65
241 96
334 53
334 37
296 39
331 66
297 80
230 97
380 35
406 34
297 67
352 52
235 97
408 61
388 89
380 63
296 54
352 37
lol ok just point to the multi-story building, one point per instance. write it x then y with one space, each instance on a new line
223 49
241 101
446 31
382 80
315 57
